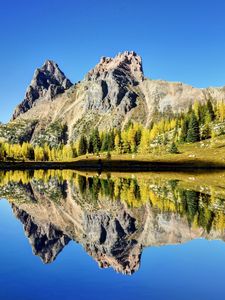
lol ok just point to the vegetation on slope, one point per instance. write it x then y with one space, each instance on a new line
203 124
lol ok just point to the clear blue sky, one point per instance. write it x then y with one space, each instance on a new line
178 40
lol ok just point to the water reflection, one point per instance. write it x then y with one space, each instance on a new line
114 216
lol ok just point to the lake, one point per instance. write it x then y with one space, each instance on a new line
72 235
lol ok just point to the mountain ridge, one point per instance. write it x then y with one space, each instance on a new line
111 94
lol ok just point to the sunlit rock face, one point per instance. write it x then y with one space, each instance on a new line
109 83
113 219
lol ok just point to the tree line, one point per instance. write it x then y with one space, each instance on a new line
195 125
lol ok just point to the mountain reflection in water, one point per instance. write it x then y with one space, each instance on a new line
114 216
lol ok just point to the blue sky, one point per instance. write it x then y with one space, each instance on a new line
178 40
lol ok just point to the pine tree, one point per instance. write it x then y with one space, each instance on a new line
91 144
131 137
118 143
144 146
111 140
184 130
105 142
173 148
96 141
196 109
193 134
38 153
210 110
2 152
108 156
82 146
206 131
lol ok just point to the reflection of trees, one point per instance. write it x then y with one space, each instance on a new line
205 210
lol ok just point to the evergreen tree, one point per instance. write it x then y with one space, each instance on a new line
96 141
91 144
210 110
184 130
105 142
82 146
206 132
173 148
118 142
2 152
111 140
193 134
108 156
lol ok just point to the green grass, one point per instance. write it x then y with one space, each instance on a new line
205 151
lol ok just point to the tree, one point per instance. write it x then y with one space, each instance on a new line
131 138
144 146
125 142
118 142
206 132
96 140
173 148
108 156
210 110
196 109
67 152
105 142
2 152
184 130
38 153
193 134
91 144
82 146
221 111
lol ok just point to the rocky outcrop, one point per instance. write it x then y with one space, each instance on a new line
110 83
47 82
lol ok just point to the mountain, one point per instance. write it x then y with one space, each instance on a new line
114 92
47 83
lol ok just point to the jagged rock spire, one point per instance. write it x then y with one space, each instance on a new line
127 64
48 81
109 82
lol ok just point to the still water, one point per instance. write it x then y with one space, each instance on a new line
68 235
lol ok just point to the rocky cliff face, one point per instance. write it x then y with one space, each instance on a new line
47 82
109 83
112 93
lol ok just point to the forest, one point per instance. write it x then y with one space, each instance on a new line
202 121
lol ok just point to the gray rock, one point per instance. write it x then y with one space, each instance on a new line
109 83
47 82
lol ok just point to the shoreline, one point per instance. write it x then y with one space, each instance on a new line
115 165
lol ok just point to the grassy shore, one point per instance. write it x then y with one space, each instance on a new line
209 154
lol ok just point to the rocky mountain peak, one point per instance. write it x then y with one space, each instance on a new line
127 64
110 83
48 81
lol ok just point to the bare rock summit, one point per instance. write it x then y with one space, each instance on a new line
48 81
109 82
